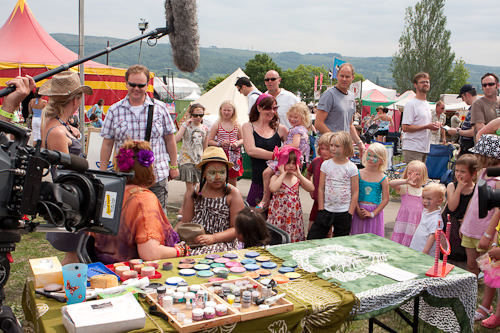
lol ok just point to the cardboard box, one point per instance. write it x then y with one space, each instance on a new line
46 270
118 314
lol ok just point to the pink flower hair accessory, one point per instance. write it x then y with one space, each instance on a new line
145 157
125 159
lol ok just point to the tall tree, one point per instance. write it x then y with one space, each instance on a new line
301 80
257 68
460 76
424 46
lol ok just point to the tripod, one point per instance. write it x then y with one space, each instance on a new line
8 240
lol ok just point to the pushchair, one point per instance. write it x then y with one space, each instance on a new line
438 160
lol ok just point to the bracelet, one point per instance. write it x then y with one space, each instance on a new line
494 244
373 215
178 252
6 114
174 167
487 235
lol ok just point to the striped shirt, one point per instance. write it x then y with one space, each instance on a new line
122 124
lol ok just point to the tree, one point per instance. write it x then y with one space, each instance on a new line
257 68
424 46
213 82
301 80
460 75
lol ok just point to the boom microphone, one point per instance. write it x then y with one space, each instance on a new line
183 33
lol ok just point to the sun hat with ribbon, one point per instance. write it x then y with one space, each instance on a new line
64 84
488 145
282 154
214 154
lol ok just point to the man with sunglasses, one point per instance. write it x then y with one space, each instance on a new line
485 109
127 120
284 98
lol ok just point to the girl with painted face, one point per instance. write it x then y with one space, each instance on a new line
214 204
285 209
373 193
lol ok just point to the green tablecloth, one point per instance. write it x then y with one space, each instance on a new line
447 303
323 309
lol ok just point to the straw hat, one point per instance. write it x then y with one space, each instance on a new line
189 231
487 145
64 84
214 154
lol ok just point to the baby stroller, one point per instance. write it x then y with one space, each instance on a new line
370 133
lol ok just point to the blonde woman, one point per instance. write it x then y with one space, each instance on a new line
65 94
226 133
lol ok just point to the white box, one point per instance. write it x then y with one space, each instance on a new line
110 315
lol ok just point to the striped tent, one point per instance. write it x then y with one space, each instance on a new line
26 48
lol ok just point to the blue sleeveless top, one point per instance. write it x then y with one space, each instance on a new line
370 191
37 113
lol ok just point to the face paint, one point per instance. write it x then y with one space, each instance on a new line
216 173
372 156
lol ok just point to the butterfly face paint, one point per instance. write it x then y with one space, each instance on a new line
216 172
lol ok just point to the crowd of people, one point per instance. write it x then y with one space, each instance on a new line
348 198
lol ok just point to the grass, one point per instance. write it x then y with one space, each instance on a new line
34 245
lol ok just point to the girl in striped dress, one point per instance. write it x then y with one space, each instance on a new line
226 133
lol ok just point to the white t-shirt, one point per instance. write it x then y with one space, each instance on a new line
429 222
417 112
252 98
338 185
285 100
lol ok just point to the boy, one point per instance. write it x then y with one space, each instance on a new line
424 239
314 170
95 121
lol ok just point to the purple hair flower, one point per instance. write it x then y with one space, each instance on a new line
125 159
145 157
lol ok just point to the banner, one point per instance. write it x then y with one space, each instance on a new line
316 82
320 81
336 65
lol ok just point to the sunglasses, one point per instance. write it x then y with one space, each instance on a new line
271 79
197 115
274 108
134 85
489 84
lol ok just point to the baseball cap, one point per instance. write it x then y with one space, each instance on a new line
465 88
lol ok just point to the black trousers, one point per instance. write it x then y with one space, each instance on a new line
341 223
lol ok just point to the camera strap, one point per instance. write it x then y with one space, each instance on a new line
150 122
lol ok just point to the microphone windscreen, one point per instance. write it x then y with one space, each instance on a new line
183 33
78 163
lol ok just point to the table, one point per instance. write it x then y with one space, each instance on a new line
446 303
324 308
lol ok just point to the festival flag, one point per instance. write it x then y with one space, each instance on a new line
320 81
336 65
315 82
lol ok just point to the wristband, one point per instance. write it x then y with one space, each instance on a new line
494 244
178 252
6 114
373 215
174 167
487 235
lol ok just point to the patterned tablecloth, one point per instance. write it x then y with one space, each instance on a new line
324 308
446 303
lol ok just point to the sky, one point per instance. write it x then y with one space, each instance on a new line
362 28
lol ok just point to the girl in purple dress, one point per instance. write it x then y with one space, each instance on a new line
410 188
373 193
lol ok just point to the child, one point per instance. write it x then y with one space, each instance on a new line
373 192
285 210
338 190
300 120
424 239
251 228
313 171
474 229
94 121
194 140
226 133
459 194
410 188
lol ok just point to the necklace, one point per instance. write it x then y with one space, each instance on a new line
66 125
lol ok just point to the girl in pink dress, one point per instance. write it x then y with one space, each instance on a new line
226 133
410 188
285 210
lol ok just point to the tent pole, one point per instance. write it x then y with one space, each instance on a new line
81 35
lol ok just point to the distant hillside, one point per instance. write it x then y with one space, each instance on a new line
220 61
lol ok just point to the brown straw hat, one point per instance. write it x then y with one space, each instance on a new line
214 154
64 84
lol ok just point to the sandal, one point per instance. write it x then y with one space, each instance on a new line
492 322
480 315
262 206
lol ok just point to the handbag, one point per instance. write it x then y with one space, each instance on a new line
189 231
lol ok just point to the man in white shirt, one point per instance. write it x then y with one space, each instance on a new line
417 121
246 88
284 98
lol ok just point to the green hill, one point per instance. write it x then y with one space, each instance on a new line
220 61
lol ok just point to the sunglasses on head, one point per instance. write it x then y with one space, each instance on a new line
197 115
140 85
271 79
489 84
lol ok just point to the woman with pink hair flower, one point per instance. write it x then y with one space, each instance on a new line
145 231
285 209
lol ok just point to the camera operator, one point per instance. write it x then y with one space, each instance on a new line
11 102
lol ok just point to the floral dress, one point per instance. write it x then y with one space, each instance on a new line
285 212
